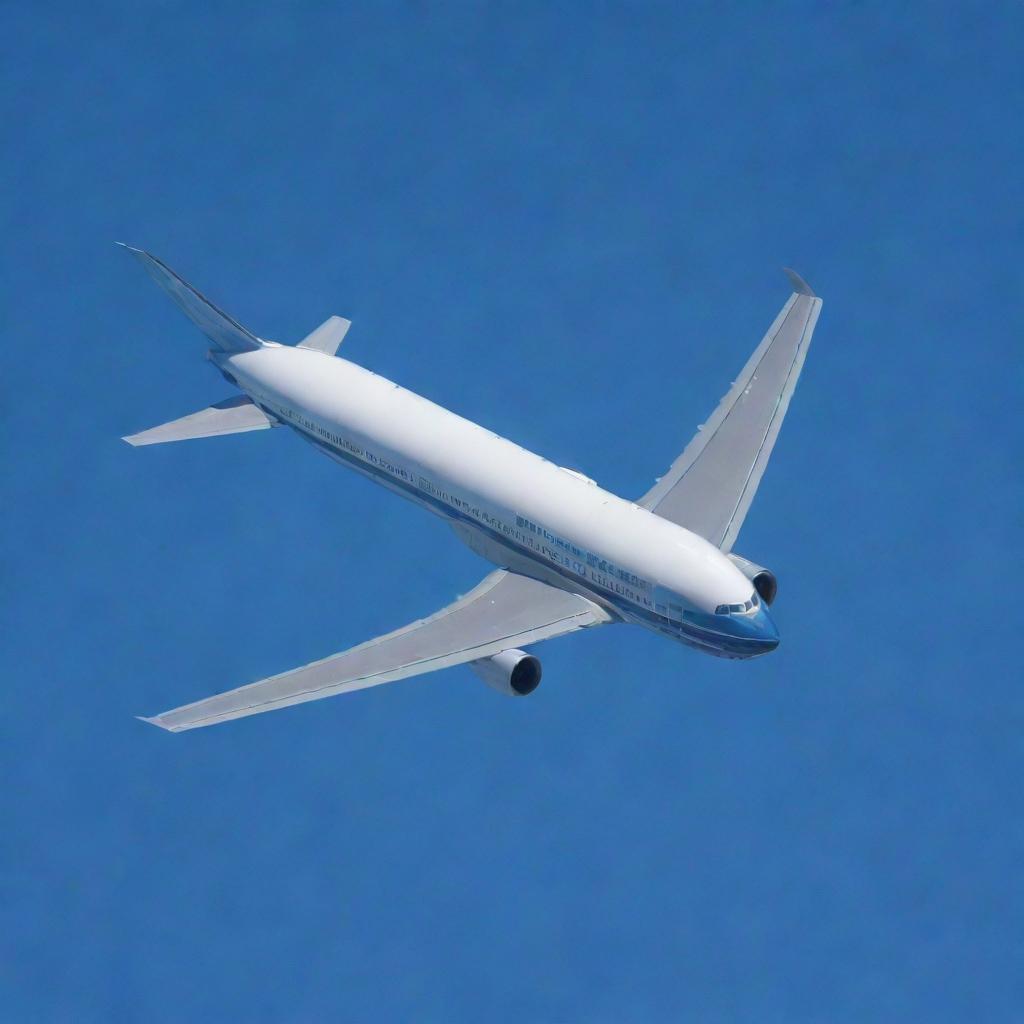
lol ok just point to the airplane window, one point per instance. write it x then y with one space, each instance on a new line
730 609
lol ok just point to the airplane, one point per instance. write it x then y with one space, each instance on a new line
569 555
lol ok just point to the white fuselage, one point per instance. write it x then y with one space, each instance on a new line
511 505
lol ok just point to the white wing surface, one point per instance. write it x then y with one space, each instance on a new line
506 610
709 488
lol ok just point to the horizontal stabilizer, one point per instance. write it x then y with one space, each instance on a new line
226 334
328 336
232 416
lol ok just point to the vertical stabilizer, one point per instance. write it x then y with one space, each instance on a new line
226 334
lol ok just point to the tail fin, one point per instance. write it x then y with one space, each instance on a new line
226 334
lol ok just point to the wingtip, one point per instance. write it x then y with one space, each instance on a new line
800 286
155 720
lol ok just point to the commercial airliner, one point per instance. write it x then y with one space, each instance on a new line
568 554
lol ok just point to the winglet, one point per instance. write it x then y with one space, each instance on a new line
800 286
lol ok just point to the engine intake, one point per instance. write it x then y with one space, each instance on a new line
513 673
764 580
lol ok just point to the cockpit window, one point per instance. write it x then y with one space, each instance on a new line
738 609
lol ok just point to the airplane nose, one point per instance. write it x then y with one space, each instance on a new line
755 634
767 631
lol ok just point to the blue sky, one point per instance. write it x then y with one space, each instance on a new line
565 222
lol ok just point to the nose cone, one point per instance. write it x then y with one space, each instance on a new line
768 632
754 633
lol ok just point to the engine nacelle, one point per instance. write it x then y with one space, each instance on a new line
764 580
513 673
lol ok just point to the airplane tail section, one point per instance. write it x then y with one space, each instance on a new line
232 416
226 333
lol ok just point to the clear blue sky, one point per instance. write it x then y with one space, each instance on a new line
565 222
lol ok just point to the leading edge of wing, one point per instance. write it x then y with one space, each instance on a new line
505 610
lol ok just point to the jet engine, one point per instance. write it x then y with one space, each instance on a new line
513 673
763 579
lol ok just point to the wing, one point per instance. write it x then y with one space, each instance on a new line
506 610
709 488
